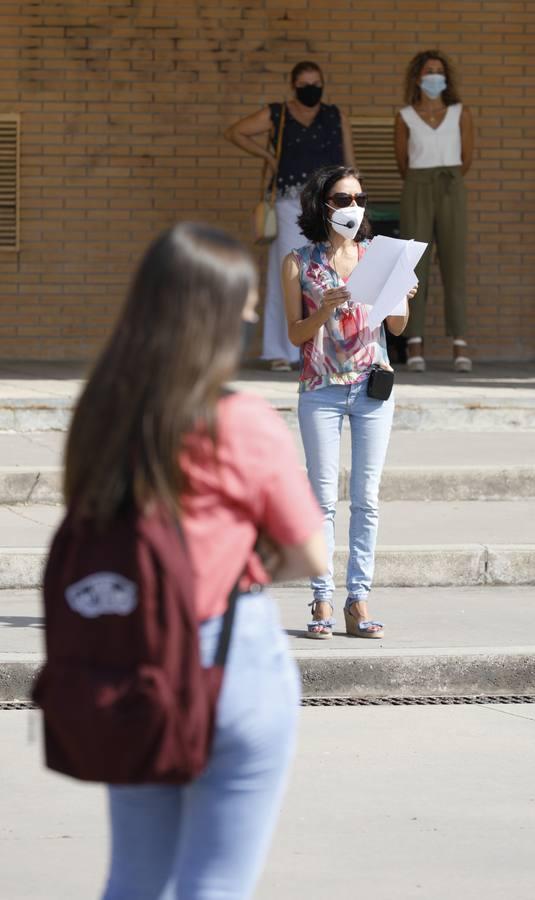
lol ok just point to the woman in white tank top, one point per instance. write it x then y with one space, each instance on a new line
433 140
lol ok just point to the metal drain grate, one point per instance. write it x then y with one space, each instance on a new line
16 704
457 700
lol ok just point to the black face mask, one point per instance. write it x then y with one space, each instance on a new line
309 94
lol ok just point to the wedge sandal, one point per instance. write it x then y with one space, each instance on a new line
362 629
320 629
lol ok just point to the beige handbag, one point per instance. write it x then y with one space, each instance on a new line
264 215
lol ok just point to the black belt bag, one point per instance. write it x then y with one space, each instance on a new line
380 383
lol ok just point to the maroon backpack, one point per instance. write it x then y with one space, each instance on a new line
124 696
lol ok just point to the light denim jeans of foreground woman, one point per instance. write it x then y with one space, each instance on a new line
321 416
208 840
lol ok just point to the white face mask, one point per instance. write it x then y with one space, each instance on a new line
433 85
346 221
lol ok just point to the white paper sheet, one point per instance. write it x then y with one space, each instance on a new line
399 283
384 276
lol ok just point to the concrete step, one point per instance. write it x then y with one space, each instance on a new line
39 396
30 484
426 466
494 397
413 413
43 484
448 543
420 544
437 641
423 565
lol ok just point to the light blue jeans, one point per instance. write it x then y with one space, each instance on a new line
321 416
208 840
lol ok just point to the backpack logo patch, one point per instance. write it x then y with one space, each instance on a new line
102 594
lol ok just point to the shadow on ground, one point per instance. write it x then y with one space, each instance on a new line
21 622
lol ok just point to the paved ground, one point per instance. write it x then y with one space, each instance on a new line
456 510
467 618
437 640
493 397
63 379
502 379
36 448
431 448
420 543
387 803
405 803
400 523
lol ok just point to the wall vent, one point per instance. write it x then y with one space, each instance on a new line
9 181
373 143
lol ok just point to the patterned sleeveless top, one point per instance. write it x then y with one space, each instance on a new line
306 148
344 349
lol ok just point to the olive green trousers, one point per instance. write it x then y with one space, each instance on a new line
433 208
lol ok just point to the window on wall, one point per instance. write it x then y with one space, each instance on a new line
9 181
373 142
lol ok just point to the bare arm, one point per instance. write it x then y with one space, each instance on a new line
397 324
283 563
401 145
244 133
467 139
347 141
301 330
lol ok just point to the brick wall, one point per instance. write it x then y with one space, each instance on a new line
123 106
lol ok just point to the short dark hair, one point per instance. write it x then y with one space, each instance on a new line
306 66
450 94
313 220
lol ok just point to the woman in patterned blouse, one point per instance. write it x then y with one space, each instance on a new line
314 134
338 350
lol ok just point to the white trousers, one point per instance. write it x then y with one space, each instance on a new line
276 344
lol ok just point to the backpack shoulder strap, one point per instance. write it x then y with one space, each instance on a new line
226 630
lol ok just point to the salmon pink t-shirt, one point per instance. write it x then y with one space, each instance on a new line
252 483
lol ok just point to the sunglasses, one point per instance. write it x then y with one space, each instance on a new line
341 200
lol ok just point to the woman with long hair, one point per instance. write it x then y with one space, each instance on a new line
338 353
314 134
155 425
434 145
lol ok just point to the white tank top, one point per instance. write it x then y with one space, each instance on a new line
430 147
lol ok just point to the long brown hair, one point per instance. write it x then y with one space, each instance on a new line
413 93
176 342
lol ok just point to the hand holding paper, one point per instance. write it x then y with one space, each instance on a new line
384 277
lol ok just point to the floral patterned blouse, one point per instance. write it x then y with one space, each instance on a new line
344 349
306 148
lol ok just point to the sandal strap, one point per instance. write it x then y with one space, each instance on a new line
320 600
323 623
365 625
